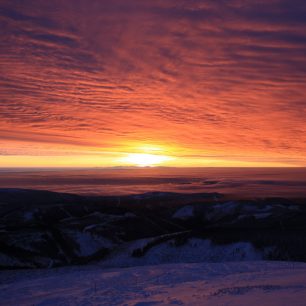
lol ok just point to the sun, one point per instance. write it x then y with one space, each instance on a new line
145 159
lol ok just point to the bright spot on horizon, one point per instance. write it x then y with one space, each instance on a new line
145 159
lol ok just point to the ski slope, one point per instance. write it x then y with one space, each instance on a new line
216 284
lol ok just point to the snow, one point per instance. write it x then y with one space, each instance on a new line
238 211
207 284
28 216
194 250
262 215
219 211
184 213
89 244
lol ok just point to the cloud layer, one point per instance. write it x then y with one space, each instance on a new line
210 77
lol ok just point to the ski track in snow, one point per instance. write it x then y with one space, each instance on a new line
218 284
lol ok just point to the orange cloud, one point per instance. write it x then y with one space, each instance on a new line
209 81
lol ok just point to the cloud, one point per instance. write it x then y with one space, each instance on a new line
17 16
214 78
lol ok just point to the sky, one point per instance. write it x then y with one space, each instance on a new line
152 82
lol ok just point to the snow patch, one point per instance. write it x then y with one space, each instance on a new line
89 244
28 216
184 213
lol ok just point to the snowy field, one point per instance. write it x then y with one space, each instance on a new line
218 284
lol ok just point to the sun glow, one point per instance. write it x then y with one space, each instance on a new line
145 159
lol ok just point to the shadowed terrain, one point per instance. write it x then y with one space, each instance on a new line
48 229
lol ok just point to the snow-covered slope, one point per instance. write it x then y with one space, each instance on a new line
193 250
249 283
